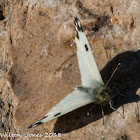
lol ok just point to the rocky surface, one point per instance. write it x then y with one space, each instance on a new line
38 66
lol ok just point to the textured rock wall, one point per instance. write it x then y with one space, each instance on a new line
37 40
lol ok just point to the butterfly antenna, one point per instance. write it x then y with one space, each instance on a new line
115 109
90 109
112 74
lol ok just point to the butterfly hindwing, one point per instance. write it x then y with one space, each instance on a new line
89 72
74 100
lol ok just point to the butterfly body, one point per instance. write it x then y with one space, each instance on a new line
103 95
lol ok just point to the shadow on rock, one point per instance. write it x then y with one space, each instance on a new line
126 80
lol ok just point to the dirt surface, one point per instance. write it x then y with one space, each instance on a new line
38 67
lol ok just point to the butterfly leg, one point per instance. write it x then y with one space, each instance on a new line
118 92
103 114
115 109
121 94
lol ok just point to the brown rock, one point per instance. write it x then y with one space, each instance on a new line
37 40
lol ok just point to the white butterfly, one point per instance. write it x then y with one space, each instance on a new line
92 89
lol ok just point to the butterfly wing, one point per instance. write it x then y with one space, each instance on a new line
74 100
89 72
90 77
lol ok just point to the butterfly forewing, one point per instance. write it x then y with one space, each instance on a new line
74 100
89 72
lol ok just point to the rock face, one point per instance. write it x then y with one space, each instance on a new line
38 67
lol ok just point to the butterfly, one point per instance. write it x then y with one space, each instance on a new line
92 90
